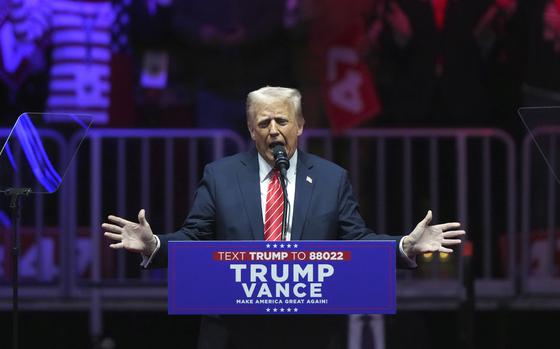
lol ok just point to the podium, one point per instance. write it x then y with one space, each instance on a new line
281 277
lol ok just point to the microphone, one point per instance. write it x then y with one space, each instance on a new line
281 160
282 163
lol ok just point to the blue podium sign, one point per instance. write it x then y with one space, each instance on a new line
283 277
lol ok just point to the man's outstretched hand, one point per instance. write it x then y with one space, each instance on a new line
432 238
133 237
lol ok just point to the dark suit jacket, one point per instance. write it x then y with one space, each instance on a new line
227 206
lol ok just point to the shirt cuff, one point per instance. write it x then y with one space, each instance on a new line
146 260
410 262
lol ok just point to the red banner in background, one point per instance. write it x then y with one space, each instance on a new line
350 94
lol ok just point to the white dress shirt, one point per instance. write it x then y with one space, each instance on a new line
265 173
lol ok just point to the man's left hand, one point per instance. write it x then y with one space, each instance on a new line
432 238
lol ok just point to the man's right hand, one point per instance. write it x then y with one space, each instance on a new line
134 237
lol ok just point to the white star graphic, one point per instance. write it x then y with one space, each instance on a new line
281 245
281 310
267 245
268 310
289 245
289 310
295 310
275 310
274 245
295 245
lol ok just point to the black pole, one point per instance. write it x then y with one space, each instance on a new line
468 305
15 195
285 210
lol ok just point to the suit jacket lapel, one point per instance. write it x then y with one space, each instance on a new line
248 178
304 190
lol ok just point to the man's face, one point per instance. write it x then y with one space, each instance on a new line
271 124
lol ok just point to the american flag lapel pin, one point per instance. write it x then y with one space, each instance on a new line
309 179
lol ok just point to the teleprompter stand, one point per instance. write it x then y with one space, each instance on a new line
34 160
15 195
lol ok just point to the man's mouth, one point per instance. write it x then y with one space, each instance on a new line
273 144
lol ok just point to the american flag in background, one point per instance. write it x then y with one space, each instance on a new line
90 70
121 110
21 50
29 18
81 55
120 30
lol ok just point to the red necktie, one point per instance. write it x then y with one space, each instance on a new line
274 208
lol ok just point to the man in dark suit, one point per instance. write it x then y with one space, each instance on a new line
230 204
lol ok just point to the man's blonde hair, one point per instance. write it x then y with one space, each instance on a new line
267 95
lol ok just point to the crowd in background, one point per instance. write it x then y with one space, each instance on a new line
373 63
358 63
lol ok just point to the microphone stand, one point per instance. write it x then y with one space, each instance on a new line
15 195
285 210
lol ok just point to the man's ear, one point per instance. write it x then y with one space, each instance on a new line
251 131
300 127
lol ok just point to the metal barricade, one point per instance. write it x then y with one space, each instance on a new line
466 175
118 172
44 255
540 227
